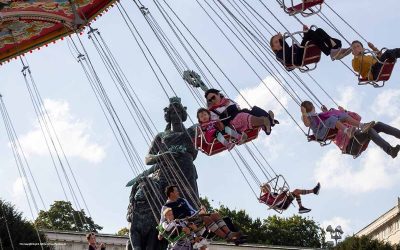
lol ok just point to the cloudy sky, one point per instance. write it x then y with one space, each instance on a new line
354 192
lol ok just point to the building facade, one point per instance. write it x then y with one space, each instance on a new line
386 227
77 241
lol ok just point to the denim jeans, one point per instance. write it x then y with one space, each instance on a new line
373 135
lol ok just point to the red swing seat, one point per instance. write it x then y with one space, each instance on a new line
279 198
311 55
305 5
351 146
326 140
215 147
383 76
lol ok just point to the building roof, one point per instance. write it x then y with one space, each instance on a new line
82 233
381 220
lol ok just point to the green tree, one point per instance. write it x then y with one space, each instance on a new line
293 231
62 216
15 230
123 231
253 229
364 243
274 230
206 203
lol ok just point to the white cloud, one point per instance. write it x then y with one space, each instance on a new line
387 103
338 221
375 171
261 97
350 98
18 193
74 135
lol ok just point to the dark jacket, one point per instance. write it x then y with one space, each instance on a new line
288 59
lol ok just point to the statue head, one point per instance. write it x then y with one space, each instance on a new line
175 112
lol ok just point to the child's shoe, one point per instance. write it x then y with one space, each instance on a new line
316 189
303 210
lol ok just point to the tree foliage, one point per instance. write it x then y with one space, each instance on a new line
293 231
123 231
15 231
364 243
62 216
275 230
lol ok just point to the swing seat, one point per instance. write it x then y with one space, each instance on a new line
311 57
215 147
305 5
383 76
278 202
326 140
312 54
171 237
352 146
279 198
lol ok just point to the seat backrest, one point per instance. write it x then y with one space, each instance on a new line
305 5
386 71
312 54
215 146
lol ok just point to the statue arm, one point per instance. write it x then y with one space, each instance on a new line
153 155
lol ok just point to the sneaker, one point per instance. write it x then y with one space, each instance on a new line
367 126
316 189
339 54
303 210
267 127
271 117
233 236
240 241
394 151
230 146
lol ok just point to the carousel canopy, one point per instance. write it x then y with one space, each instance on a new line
29 24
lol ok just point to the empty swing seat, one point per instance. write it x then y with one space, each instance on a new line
215 147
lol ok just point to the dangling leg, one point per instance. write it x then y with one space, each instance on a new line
261 121
298 192
230 236
333 43
241 138
391 54
321 39
353 122
213 227
378 140
227 144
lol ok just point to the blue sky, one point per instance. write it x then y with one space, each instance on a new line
354 192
